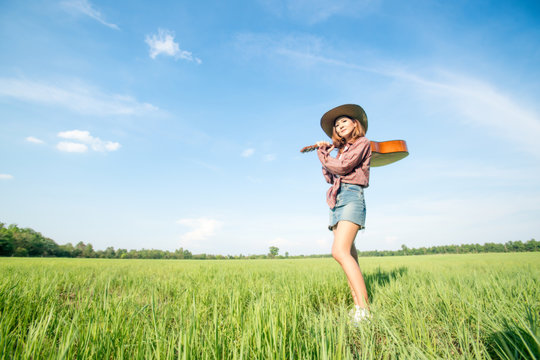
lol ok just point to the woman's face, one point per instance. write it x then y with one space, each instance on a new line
344 127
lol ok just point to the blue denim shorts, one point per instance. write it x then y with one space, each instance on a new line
350 206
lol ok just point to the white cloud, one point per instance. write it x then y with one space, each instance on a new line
74 96
202 229
83 136
86 8
110 146
392 241
6 177
34 140
279 241
283 244
71 147
163 43
247 152
84 139
325 244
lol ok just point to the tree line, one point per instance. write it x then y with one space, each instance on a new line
26 242
509 246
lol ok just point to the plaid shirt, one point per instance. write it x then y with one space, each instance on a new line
351 167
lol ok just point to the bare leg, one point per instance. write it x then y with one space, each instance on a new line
355 257
355 298
342 251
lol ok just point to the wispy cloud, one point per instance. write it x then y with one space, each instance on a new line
257 44
465 169
314 11
474 101
163 43
75 96
269 157
254 180
85 141
201 229
86 8
250 151
34 140
6 177
206 165
482 104
247 152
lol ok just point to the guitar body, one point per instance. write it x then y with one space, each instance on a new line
387 152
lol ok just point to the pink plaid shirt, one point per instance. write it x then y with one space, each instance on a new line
351 167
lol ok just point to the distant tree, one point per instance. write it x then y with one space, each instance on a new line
88 251
23 240
79 249
121 253
532 245
66 250
274 251
20 252
16 241
179 253
109 252
405 249
6 241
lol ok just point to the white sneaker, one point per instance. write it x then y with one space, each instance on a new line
360 315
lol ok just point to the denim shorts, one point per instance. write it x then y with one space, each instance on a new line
350 206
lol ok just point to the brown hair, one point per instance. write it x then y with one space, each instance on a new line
358 132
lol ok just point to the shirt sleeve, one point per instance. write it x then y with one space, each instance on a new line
327 176
348 161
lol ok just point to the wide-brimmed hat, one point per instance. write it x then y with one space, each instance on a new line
350 110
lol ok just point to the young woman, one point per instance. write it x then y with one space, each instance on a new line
348 173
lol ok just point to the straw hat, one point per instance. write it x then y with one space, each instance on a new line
350 110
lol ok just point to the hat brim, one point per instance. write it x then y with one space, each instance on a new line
351 110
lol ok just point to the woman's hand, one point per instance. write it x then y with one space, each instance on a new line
325 145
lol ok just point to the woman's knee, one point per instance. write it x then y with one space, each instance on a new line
340 254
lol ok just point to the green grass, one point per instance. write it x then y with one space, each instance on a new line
424 307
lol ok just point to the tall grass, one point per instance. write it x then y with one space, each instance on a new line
424 307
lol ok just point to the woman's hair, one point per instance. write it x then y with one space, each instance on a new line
358 132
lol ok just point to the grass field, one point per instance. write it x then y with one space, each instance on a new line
475 306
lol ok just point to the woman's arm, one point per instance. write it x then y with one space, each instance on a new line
325 148
349 160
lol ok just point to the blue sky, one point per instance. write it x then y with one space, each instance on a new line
170 124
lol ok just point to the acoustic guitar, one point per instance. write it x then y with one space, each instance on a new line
382 152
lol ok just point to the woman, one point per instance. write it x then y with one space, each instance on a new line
348 173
